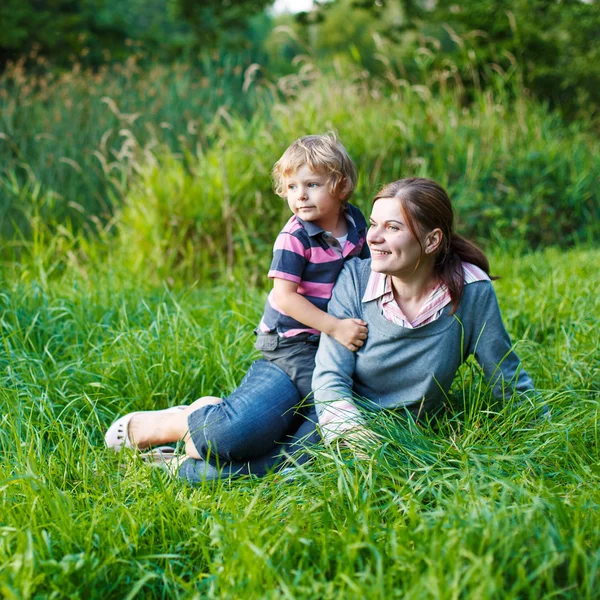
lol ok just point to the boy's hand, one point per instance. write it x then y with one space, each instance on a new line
351 333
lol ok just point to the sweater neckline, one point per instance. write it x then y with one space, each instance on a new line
392 330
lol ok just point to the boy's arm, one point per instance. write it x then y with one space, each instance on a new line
333 378
348 332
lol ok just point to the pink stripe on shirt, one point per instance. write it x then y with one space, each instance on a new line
292 332
283 275
291 226
317 290
289 242
319 255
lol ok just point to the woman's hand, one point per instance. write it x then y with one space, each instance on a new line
351 333
363 442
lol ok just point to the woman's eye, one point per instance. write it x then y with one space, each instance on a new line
393 228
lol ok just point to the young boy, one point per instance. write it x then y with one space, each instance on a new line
316 177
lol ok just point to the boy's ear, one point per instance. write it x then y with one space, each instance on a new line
343 188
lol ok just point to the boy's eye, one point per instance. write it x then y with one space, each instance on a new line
313 185
291 186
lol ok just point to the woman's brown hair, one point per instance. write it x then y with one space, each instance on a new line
426 207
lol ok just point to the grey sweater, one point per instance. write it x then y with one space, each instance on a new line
413 368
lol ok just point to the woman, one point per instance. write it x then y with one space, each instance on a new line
427 297
429 303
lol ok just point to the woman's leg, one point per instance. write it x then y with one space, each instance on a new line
250 421
292 451
153 428
246 425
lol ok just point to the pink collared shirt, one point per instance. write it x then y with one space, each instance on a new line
379 287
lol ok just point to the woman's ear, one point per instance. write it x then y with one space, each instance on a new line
433 241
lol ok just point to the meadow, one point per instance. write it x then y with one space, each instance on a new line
134 279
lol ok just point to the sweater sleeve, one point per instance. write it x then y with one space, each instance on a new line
332 378
491 345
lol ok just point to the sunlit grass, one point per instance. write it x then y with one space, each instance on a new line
483 504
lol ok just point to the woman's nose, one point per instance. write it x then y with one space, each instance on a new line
373 235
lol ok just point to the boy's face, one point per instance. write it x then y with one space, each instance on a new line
309 198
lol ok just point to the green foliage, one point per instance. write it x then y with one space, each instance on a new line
216 20
187 157
59 28
79 137
553 43
95 32
208 221
482 505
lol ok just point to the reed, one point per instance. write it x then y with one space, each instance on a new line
84 146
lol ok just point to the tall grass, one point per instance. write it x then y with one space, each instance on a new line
516 175
125 315
80 134
513 174
485 504
181 148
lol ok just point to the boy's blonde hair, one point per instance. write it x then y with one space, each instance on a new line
322 153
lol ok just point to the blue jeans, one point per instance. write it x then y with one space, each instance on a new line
253 430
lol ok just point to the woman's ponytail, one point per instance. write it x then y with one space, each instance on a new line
449 264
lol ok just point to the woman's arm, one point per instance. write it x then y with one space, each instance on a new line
332 379
493 350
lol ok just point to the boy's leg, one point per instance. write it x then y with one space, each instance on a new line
295 356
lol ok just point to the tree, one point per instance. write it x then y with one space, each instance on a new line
215 21
57 28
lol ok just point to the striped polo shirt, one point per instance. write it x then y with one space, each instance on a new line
309 256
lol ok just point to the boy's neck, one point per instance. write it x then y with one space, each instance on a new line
337 228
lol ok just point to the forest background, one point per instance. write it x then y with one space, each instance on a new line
136 226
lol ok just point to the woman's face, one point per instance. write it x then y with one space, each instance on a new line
394 249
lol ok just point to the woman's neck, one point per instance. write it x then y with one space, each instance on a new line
411 291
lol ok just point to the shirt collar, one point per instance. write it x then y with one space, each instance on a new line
353 217
310 227
378 285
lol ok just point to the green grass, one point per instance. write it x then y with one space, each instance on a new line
136 223
485 504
